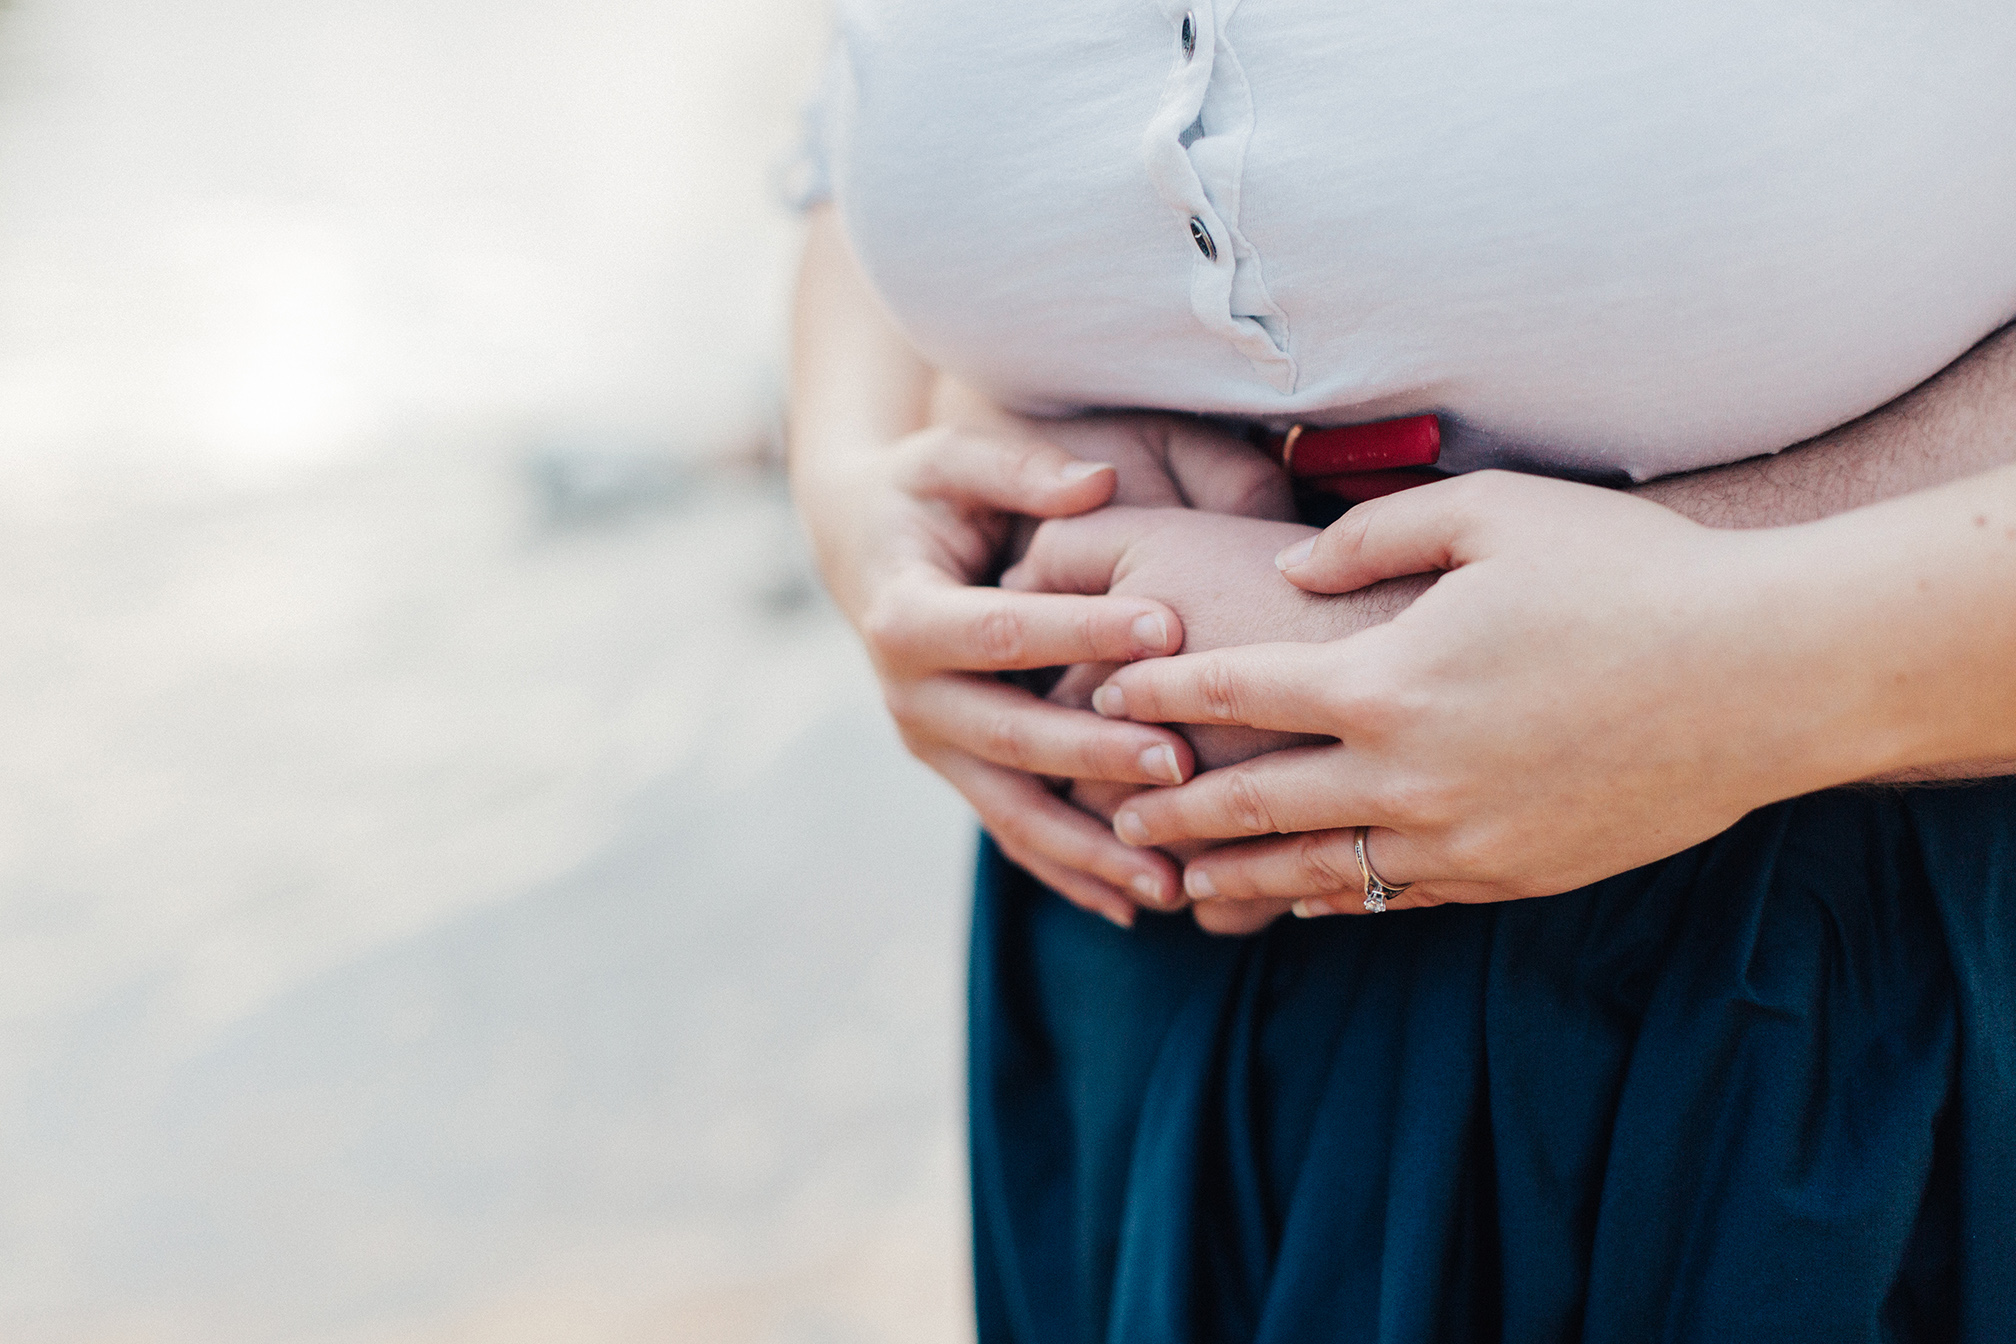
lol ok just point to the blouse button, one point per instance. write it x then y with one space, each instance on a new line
1189 34
1202 237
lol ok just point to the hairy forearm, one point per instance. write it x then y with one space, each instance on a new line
1959 423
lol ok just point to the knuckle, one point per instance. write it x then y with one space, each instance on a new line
1111 757
1263 493
1019 855
1092 648
1473 852
1003 741
1245 482
1341 701
1317 863
1013 829
1491 489
1043 537
1247 803
887 630
1418 805
1027 464
1480 485
925 455
1001 636
1218 689
1038 555
1369 702
1424 897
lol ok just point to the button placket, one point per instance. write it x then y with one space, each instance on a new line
1200 232
1194 155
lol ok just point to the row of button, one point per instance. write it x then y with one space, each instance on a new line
1199 234
1193 149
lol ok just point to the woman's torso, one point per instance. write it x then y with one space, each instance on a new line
1597 239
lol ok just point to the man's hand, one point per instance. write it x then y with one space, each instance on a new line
1218 574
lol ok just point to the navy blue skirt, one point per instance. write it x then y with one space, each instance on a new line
1763 1090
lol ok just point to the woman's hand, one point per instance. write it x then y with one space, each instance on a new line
1159 461
909 489
1218 574
1593 683
904 533
907 534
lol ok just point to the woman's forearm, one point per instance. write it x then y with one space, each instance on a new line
1903 618
857 387
1957 424
855 380
1592 684
906 519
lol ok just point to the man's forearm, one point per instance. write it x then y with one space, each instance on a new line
1956 424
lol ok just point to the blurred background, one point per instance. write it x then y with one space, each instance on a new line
455 880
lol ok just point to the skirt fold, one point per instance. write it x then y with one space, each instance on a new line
1765 1089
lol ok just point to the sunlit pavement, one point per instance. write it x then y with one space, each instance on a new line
455 880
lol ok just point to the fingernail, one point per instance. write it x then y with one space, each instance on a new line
1117 919
1151 632
1198 884
1310 908
1160 761
1129 827
1148 889
1078 471
1297 554
1108 701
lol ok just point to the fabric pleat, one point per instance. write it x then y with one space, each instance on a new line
1763 1090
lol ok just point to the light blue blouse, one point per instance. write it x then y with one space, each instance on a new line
1596 237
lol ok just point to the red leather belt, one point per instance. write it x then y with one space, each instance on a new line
1361 462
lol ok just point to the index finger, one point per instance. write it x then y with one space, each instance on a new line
1277 686
1283 792
948 626
1005 472
1079 555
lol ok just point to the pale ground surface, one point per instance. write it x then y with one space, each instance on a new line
455 881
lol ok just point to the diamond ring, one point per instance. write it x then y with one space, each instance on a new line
1377 890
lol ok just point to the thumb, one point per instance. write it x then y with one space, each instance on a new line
1080 555
1420 531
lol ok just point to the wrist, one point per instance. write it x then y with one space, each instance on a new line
1837 692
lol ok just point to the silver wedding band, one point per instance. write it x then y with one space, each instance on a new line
1377 890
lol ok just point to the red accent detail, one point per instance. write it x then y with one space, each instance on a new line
1359 486
1387 444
